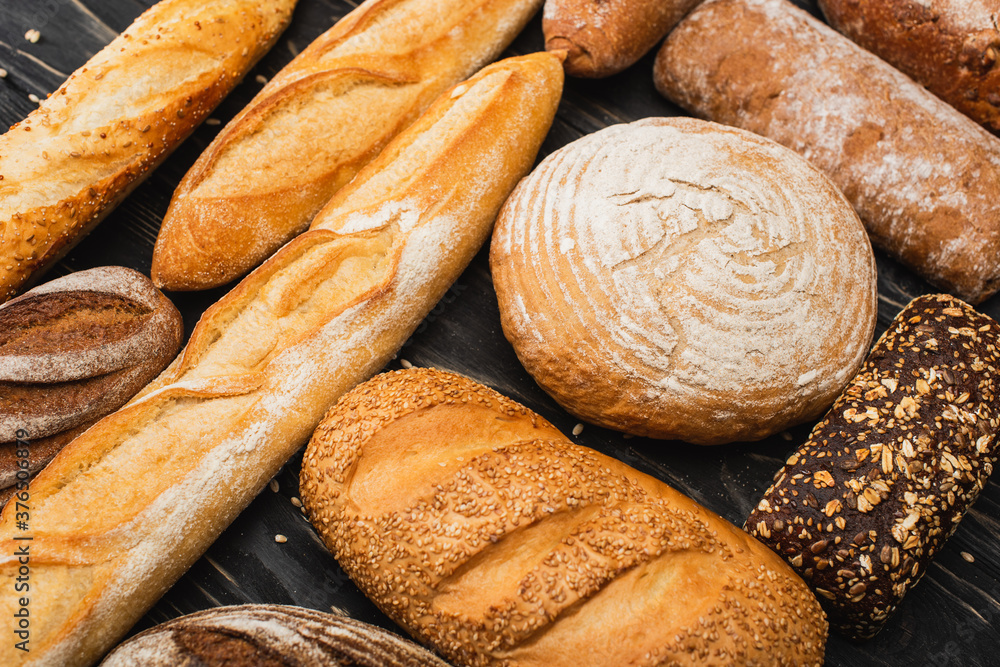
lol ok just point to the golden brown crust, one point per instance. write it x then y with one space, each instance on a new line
950 46
171 469
339 102
603 37
923 177
487 534
76 157
679 279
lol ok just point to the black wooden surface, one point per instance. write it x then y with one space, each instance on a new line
951 618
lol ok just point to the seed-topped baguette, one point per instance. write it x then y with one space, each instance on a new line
862 507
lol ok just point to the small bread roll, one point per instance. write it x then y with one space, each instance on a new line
484 532
268 635
674 278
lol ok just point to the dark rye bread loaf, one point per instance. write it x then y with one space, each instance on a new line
487 534
268 635
73 350
923 178
950 46
862 507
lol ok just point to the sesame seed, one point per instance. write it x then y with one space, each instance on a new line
968 557
295 501
213 121
405 364
261 79
578 429
3 73
34 98
273 485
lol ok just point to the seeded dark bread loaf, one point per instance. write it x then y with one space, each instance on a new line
950 46
603 37
76 157
488 535
73 350
268 635
862 507
924 178
339 102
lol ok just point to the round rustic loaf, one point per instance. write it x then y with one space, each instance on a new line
268 635
675 278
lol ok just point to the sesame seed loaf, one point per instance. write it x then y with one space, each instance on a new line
861 508
603 37
490 536
172 468
268 635
315 124
77 156
73 350
923 177
950 46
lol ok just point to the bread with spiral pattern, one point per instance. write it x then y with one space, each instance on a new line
675 278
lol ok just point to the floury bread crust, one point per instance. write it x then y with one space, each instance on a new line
73 350
170 470
950 46
603 37
488 535
313 127
71 161
675 278
268 635
924 178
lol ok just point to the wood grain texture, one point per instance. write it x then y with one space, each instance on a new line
951 618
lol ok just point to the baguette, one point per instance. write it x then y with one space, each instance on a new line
73 350
127 507
76 157
924 178
316 124
490 536
861 508
950 46
603 37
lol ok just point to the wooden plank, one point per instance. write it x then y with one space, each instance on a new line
951 618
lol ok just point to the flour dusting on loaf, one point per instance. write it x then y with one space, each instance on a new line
924 178
677 278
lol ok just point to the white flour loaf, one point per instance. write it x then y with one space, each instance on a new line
477 526
127 507
321 119
924 178
674 278
76 157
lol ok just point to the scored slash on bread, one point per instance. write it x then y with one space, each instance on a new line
490 536
175 466
73 350
77 156
316 124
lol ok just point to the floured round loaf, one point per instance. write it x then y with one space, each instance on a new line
675 278
268 635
